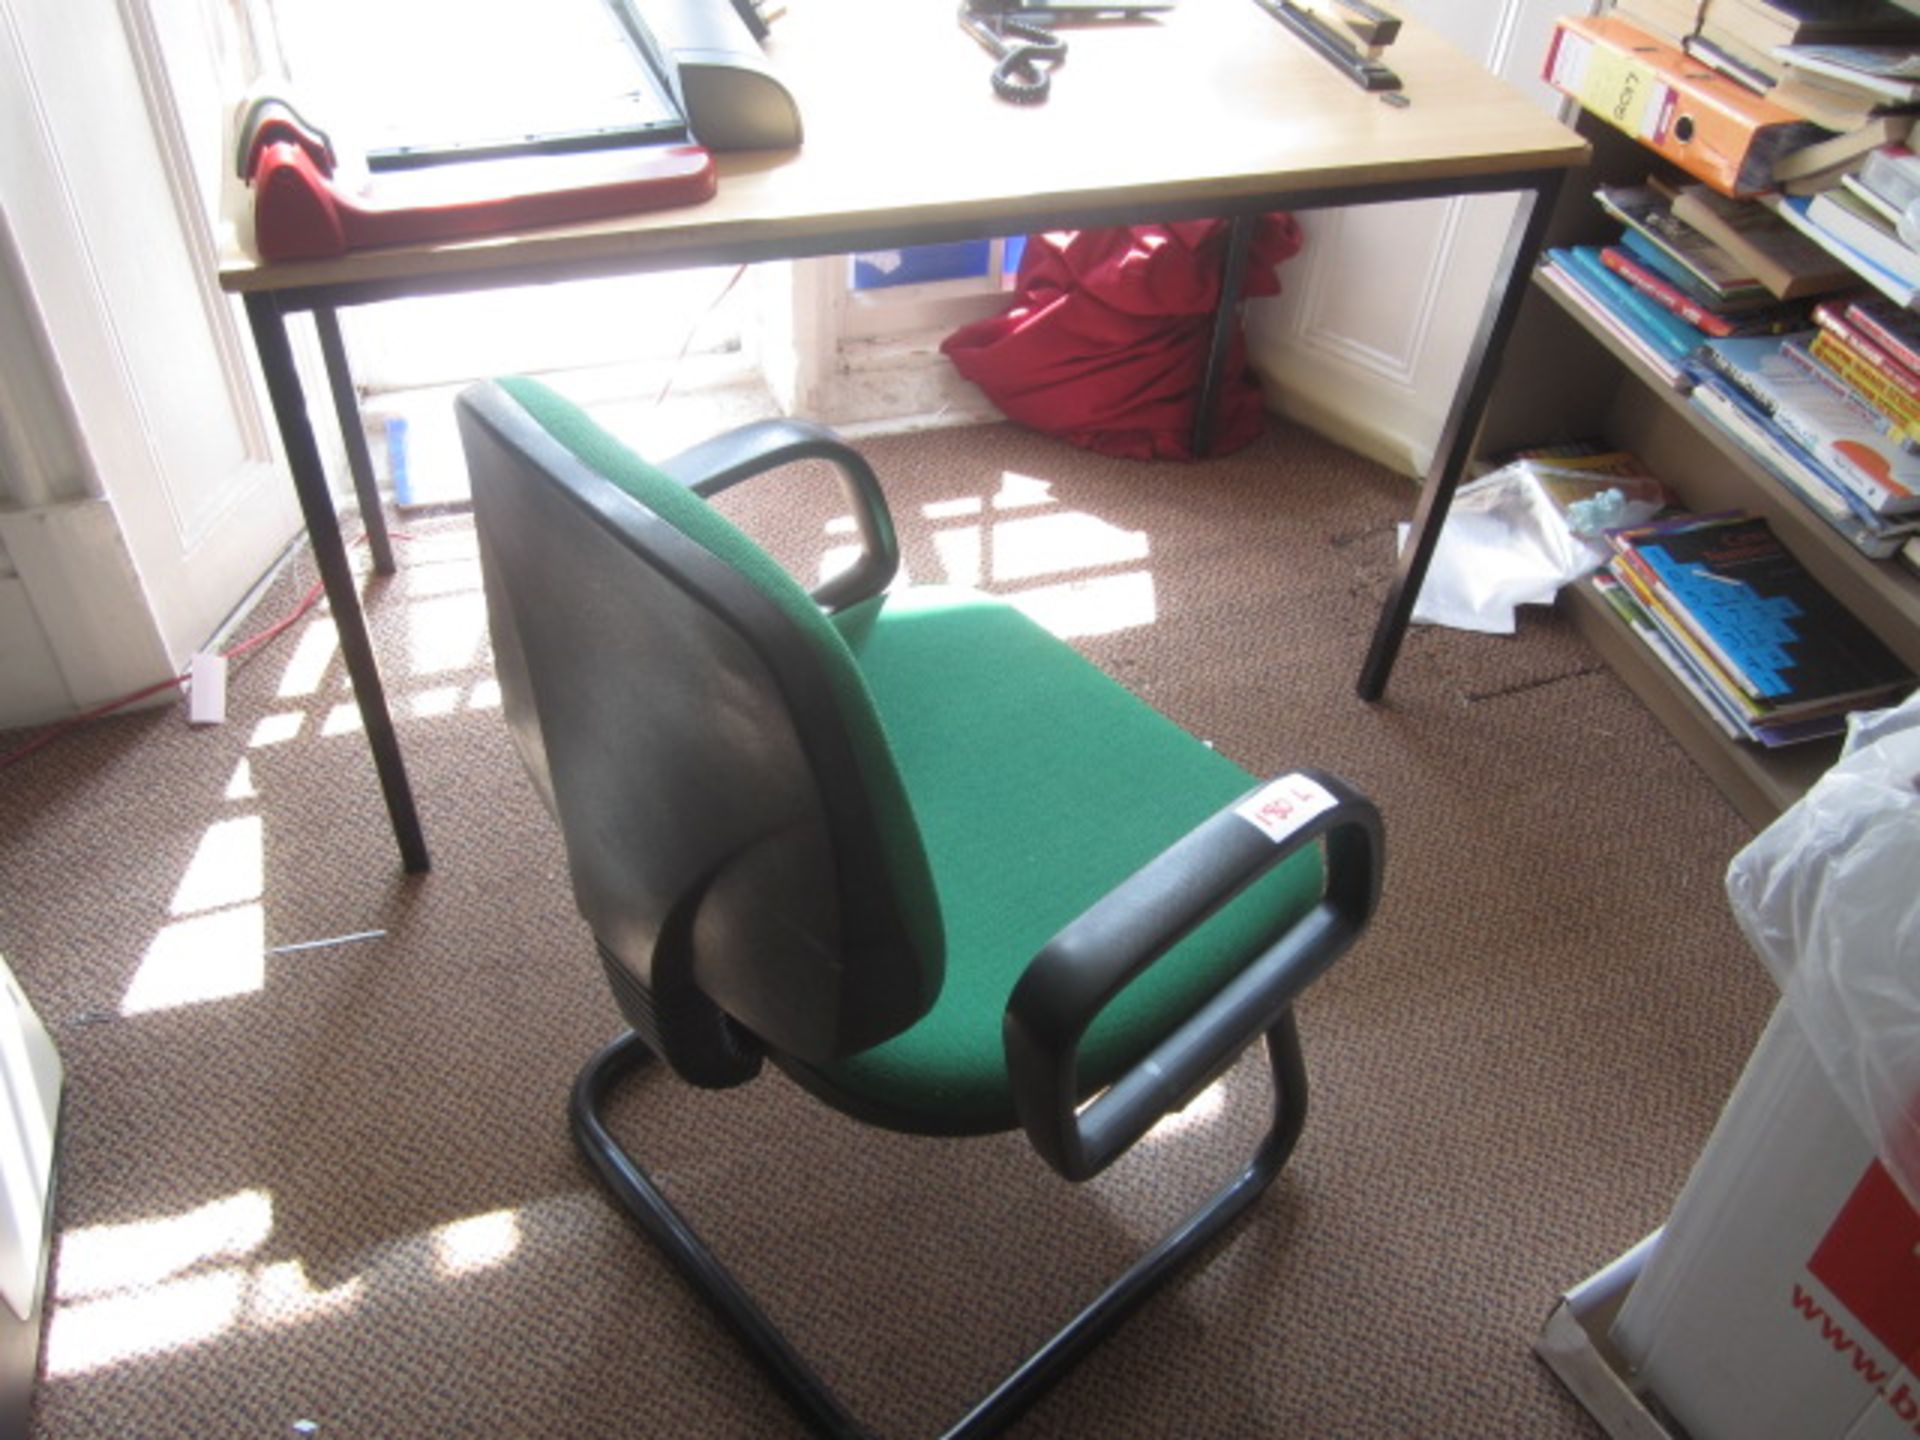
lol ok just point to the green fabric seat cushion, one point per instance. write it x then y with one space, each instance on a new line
1039 784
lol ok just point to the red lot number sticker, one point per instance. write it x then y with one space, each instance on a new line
1283 807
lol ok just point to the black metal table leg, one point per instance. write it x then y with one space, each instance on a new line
330 553
1461 430
346 405
1225 315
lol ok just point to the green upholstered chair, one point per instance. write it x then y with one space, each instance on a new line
902 843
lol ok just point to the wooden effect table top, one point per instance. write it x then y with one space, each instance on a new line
1213 106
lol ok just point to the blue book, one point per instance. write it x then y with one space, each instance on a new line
1661 328
1666 267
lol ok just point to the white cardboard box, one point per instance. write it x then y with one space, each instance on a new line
1782 1301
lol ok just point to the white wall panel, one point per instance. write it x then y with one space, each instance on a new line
1368 337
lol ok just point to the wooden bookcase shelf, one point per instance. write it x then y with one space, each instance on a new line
1565 377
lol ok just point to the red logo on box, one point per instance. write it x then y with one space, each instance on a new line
1870 1260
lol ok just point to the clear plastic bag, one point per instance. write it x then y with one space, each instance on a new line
1515 536
1829 895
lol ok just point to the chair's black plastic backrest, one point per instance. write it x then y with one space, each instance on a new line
724 836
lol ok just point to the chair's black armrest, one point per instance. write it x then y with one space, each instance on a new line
1089 962
715 465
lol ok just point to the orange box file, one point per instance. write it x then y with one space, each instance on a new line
1710 126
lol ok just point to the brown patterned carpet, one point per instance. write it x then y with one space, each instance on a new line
331 1191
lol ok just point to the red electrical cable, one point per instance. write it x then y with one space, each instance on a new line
86 716
232 652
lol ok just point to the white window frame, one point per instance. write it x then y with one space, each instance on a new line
895 311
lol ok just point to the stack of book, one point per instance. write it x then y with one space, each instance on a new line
1848 87
1870 218
1664 287
1830 413
1764 649
1846 66
1668 21
1745 38
1788 263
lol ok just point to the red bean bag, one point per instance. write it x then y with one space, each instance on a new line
1105 344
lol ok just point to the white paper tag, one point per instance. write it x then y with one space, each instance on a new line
1284 806
206 688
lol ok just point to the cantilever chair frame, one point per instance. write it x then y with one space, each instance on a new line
809 1395
1062 990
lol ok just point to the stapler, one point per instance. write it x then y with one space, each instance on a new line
1362 24
1351 34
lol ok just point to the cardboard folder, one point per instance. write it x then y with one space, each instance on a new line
1712 127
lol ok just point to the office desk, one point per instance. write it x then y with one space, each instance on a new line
1216 110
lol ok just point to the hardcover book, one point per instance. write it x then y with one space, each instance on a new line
1648 215
1795 210
1882 373
1785 22
1892 172
1833 106
1711 317
1843 366
1733 57
1667 332
1861 139
1662 293
1894 328
1889 70
1565 284
1860 226
1872 199
1779 256
1668 20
